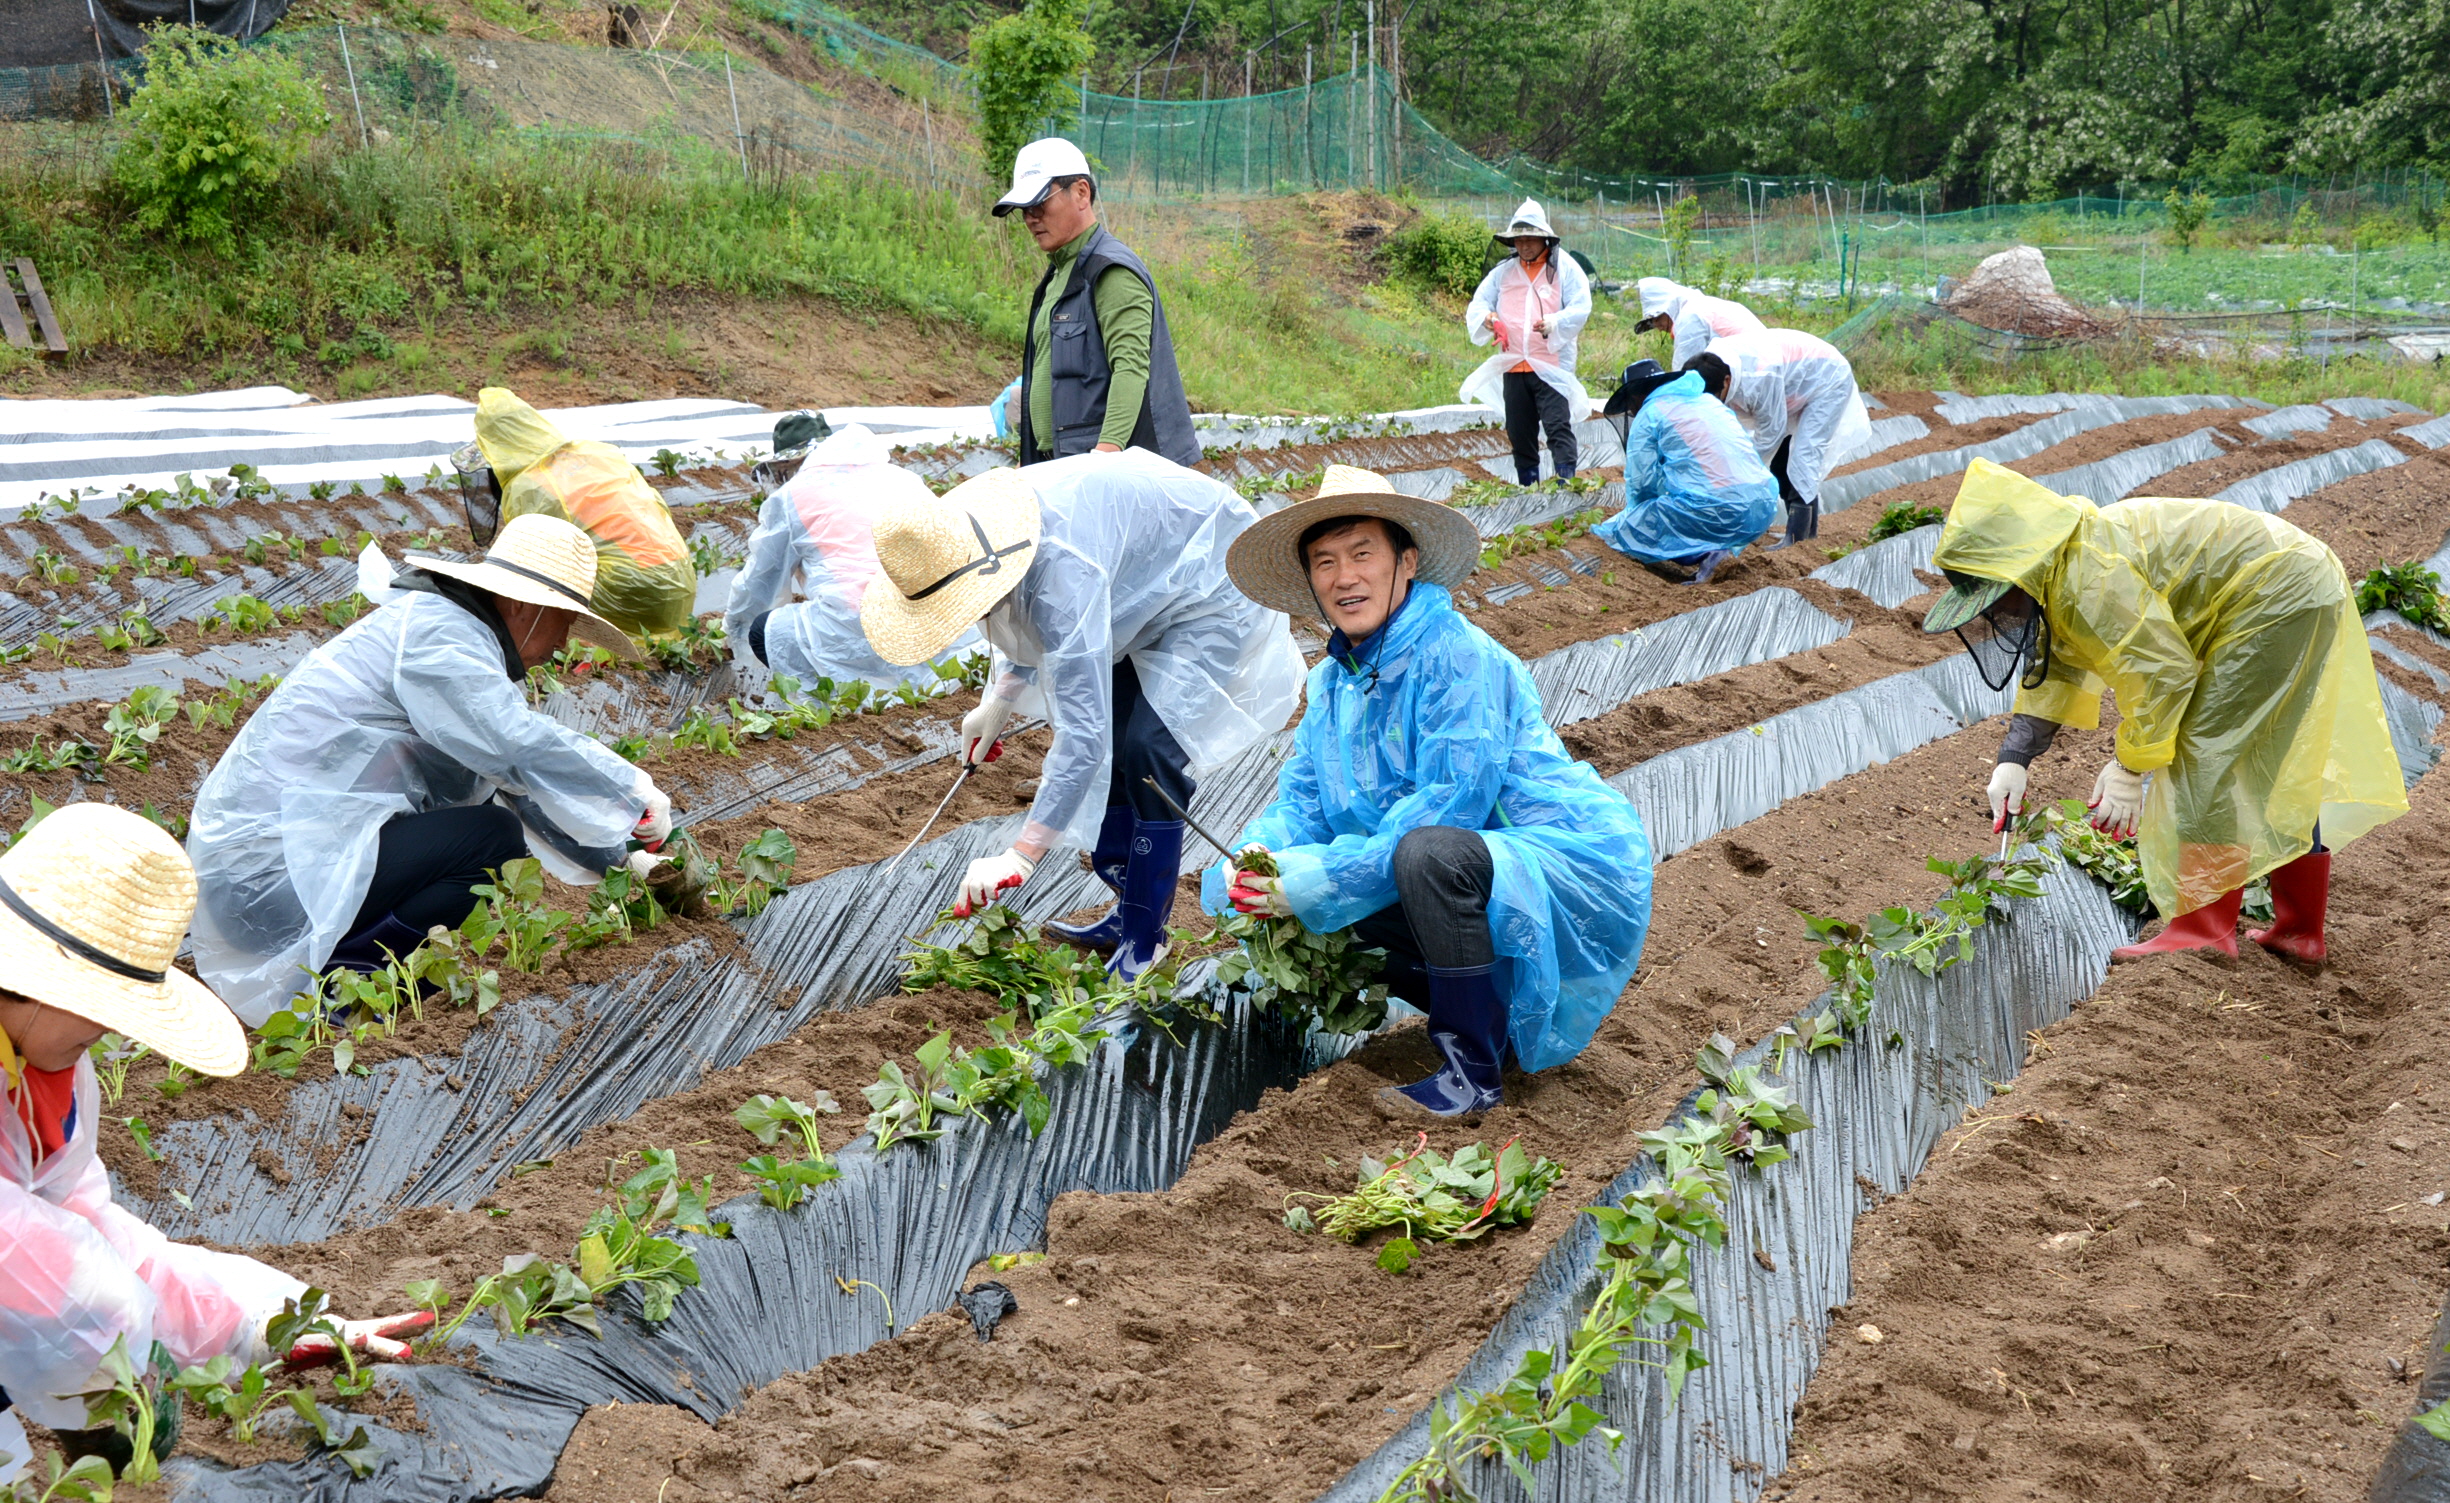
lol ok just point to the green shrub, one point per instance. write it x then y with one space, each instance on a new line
1443 252
1027 67
210 133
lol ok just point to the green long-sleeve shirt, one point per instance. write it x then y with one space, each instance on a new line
1126 322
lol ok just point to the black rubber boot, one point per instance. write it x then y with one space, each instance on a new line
375 946
1467 1025
1811 519
1149 876
1107 861
1799 526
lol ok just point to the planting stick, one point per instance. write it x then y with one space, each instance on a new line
1185 816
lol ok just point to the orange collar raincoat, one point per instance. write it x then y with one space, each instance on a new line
2232 642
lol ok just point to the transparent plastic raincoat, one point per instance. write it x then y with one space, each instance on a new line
1561 294
644 579
1695 319
1693 481
819 531
1448 731
410 709
80 1271
1131 563
2232 641
1786 383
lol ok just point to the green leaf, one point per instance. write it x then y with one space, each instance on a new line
1397 1255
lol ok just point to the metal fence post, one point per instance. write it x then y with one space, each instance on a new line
364 140
739 137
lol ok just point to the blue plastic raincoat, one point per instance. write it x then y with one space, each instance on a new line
1443 727
1693 480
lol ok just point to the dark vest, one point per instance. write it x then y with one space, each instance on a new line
1078 365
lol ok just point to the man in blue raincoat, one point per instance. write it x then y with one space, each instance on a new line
1427 805
1696 491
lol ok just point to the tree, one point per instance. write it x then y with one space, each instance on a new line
1026 68
210 133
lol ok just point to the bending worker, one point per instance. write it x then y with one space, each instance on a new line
1101 585
1695 490
355 810
2245 689
1534 305
96 900
1427 805
1097 364
1798 394
1694 319
818 529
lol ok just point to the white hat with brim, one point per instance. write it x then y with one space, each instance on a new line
1034 171
946 562
1529 219
1265 562
540 560
93 903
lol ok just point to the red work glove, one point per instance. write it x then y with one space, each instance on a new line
1259 897
384 1338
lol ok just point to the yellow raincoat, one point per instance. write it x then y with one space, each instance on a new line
645 583
2232 642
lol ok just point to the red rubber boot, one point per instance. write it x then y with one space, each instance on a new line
2211 927
2300 896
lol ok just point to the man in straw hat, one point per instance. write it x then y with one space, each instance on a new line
1695 491
1427 805
2245 689
1534 305
1098 582
356 809
93 901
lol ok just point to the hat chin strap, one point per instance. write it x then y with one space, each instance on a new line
991 563
72 944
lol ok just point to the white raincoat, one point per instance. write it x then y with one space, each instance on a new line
1695 319
1131 564
1517 300
1784 382
818 531
407 711
81 1271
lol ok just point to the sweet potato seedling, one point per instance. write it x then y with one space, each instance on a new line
1430 1198
767 1118
1298 974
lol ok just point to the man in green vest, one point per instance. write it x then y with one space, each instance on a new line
1097 371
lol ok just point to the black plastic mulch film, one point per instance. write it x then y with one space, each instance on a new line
444 1131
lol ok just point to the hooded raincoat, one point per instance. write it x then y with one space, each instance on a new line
1443 727
1693 481
1695 319
818 531
411 709
1130 563
82 1272
1558 292
1786 383
2232 641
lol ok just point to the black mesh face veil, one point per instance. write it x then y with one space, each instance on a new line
2008 632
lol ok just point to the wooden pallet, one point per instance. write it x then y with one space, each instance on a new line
25 284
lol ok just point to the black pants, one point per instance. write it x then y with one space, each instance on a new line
1144 748
426 864
1441 913
1531 405
1777 468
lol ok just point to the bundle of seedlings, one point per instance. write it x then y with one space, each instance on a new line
1430 1198
1297 974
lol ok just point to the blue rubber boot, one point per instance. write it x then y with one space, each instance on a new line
1467 1024
1148 896
1108 860
1710 564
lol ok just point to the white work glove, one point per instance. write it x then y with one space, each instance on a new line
642 863
2008 781
655 825
980 728
384 1338
989 875
2118 800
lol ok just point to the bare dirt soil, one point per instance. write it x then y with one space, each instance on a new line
2195 1254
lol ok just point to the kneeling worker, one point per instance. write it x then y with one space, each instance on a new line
1099 579
2243 679
1428 806
355 810
93 902
1695 490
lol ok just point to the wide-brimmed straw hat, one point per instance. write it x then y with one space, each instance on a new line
1266 563
543 561
93 903
947 561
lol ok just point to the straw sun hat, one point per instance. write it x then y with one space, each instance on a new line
947 561
1266 562
93 902
543 561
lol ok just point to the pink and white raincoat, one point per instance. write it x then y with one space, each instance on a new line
1695 319
1509 308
